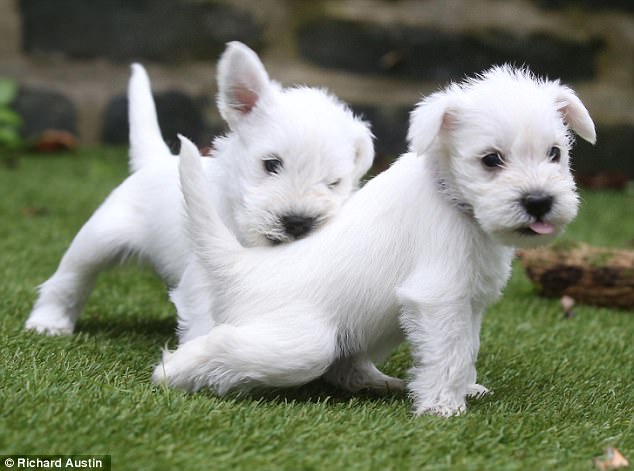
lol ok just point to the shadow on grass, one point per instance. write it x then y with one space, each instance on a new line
140 331
156 330
315 392
319 391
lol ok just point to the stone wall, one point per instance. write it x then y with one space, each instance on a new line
71 59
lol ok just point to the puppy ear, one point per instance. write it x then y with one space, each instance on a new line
364 153
242 82
430 116
576 115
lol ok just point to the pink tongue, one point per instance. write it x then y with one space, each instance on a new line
542 228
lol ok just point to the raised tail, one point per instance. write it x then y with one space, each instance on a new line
146 141
215 246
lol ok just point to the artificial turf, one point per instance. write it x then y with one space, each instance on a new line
563 388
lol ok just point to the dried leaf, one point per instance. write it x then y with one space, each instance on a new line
32 211
567 303
612 459
53 140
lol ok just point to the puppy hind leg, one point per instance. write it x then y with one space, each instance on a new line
194 305
358 373
99 243
229 357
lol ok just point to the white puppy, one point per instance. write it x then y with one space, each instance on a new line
419 251
291 158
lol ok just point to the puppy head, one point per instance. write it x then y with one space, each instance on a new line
295 155
500 144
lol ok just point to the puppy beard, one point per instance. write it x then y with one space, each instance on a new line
266 219
500 212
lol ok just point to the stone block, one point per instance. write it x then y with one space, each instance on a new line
437 55
177 113
44 110
125 30
622 5
612 154
389 126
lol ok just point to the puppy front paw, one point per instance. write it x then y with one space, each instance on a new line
450 406
440 402
441 410
50 321
477 391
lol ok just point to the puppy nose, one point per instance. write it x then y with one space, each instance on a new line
296 225
537 204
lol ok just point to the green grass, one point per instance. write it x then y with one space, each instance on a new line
564 389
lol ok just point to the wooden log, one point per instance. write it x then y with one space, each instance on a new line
591 275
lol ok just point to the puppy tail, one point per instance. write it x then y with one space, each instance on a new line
213 243
146 141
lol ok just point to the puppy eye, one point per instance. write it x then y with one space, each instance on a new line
272 165
334 184
554 154
493 160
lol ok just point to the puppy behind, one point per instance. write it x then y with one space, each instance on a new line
419 252
289 160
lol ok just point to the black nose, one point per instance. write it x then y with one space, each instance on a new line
537 204
296 225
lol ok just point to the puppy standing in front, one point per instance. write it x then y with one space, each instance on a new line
421 250
291 158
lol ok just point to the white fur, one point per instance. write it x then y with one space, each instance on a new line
419 252
325 150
